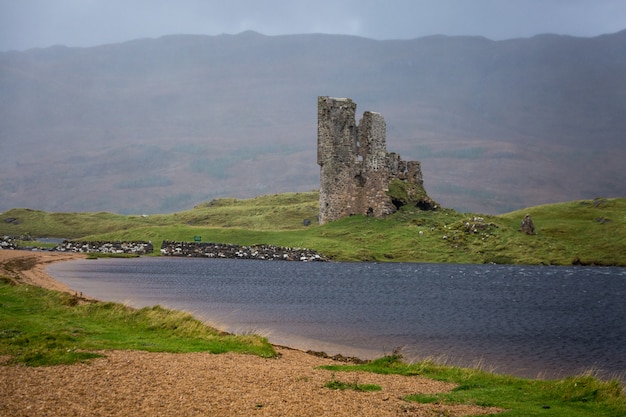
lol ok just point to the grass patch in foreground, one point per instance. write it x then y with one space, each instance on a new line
577 396
335 384
42 327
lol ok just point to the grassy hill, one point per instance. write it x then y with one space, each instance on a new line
577 232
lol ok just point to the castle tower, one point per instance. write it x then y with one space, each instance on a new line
355 167
336 156
374 168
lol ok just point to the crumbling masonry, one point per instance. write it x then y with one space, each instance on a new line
357 174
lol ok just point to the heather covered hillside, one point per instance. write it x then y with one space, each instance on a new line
159 125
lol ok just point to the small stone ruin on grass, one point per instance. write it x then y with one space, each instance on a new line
527 225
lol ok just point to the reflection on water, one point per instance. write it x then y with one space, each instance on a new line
553 321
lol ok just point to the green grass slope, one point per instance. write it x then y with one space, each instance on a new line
272 212
43 327
579 232
581 395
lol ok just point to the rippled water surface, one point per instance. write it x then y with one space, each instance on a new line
549 321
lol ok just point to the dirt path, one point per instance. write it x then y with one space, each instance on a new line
132 383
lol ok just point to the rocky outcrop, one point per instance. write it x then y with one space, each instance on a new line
221 250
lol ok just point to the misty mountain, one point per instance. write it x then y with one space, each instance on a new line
159 125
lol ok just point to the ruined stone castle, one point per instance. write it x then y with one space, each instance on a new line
357 174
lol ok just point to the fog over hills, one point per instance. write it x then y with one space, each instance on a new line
159 125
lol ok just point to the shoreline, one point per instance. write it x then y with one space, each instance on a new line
28 267
197 384
44 276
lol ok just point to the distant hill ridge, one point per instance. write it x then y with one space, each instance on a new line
159 125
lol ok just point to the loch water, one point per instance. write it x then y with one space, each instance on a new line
524 320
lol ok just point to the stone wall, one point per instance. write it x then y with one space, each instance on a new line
221 250
137 248
355 167
9 242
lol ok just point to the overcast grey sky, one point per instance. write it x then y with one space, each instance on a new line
39 23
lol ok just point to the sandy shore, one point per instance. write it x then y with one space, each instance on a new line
132 383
